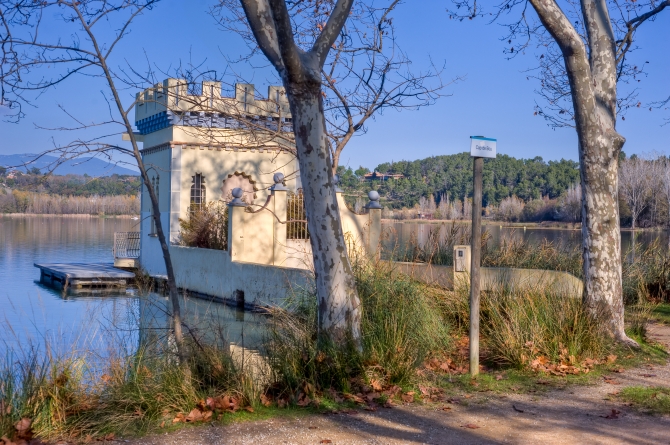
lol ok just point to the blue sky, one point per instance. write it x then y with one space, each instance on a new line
494 99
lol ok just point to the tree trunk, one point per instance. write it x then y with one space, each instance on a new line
338 302
601 232
172 283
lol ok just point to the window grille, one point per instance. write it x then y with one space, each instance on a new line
296 224
198 197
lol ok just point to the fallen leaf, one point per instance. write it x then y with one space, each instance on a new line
304 400
110 436
472 426
178 418
499 377
249 409
265 400
326 441
408 398
613 415
163 424
23 425
376 385
611 358
194 416
445 408
610 380
648 375
517 409
468 396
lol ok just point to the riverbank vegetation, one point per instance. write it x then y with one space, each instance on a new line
515 190
34 193
17 201
646 269
414 348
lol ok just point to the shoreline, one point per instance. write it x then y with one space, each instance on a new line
544 225
66 215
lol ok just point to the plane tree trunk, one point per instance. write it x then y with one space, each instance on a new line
593 85
269 20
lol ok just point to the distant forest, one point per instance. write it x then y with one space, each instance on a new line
69 194
440 187
451 176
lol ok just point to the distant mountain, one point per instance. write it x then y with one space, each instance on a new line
90 166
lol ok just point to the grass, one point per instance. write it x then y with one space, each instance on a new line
661 313
405 324
655 400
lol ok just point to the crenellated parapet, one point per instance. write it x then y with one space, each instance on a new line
169 104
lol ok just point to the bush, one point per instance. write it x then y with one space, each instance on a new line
401 325
521 326
206 227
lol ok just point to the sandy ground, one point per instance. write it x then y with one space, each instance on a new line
575 415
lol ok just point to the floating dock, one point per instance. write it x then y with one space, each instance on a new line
84 275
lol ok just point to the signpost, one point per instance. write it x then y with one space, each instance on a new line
480 148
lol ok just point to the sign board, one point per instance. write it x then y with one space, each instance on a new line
481 147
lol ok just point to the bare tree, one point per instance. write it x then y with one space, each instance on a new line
590 49
365 73
28 52
635 184
300 64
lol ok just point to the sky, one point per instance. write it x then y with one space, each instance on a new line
494 97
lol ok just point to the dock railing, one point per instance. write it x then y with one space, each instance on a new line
126 245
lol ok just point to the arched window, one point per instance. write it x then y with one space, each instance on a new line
198 198
155 184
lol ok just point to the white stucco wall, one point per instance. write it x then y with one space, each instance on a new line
212 272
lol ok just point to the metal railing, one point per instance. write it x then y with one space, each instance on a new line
126 245
296 218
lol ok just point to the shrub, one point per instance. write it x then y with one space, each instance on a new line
206 227
401 325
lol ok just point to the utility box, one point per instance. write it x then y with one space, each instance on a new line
461 259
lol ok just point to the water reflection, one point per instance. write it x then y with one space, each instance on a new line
401 235
33 315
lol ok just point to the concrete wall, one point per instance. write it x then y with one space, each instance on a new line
212 272
520 279
494 278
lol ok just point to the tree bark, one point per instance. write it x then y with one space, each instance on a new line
592 77
338 302
337 297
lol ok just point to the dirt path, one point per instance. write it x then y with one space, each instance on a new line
578 414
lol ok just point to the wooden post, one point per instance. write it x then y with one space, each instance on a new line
475 280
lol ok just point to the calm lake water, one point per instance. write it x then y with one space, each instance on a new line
31 313
399 234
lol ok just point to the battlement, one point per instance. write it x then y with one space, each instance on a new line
170 104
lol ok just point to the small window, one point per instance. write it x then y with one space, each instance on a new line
198 198
155 184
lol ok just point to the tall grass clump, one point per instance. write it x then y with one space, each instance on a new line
523 254
646 274
401 325
523 325
520 325
83 396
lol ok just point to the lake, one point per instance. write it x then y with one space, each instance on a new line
32 313
398 234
